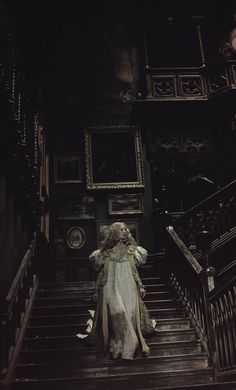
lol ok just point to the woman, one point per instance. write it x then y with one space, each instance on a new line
121 318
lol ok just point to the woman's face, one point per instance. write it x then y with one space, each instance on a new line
123 234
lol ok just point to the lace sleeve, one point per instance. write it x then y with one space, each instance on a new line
96 260
140 255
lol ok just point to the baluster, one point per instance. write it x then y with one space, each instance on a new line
4 342
224 333
215 323
227 310
232 323
220 336
204 242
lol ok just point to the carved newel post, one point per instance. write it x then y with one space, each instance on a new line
204 244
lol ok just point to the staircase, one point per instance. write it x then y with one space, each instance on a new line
52 357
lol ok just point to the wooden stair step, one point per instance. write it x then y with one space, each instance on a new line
40 326
205 386
85 296
117 367
155 280
85 352
72 341
64 309
173 323
147 380
66 286
175 335
161 335
51 318
83 307
170 312
55 330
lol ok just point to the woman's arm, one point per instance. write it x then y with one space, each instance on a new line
140 255
96 259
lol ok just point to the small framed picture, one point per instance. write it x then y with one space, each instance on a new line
75 237
67 169
102 227
75 206
125 204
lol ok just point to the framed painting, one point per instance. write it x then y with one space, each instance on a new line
125 204
75 206
113 157
67 169
102 227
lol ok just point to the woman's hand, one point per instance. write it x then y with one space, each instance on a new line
142 292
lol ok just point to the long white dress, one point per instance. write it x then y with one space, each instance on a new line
120 295
121 298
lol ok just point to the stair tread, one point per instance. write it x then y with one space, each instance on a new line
190 330
161 309
150 343
89 282
169 320
159 333
174 300
193 356
45 298
146 373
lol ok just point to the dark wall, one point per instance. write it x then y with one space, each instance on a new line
91 69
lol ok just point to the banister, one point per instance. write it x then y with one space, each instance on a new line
20 273
223 285
185 251
205 202
14 306
193 287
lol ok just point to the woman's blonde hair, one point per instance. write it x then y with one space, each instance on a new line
112 236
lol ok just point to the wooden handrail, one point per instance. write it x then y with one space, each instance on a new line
223 285
14 305
204 203
185 251
20 273
191 282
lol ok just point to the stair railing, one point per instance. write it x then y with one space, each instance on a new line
206 228
216 214
192 283
223 310
13 307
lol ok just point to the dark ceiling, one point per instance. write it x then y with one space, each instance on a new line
62 41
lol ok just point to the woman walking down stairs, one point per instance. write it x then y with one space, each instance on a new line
52 357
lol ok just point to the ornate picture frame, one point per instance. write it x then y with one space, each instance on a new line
113 157
67 169
101 227
119 204
75 237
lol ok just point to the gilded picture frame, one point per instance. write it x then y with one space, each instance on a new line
113 157
119 204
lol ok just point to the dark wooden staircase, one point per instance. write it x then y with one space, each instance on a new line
52 357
